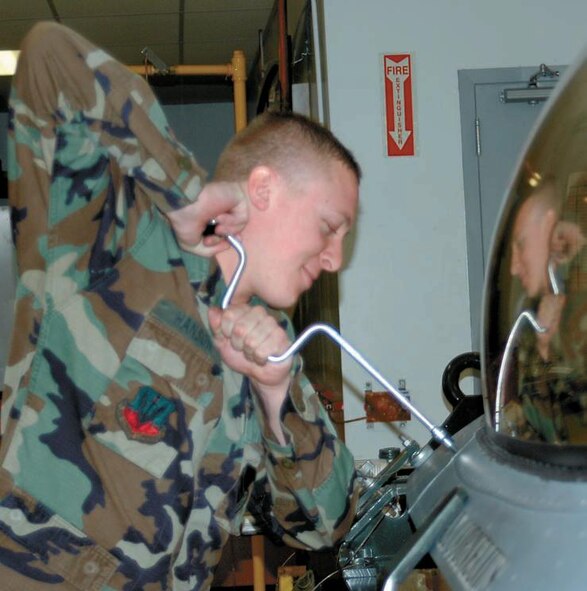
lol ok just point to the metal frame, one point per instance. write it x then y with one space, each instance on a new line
235 69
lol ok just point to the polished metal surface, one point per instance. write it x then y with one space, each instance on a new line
508 510
534 349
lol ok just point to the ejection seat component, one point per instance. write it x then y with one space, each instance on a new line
465 407
423 540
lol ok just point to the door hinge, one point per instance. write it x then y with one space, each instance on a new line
477 136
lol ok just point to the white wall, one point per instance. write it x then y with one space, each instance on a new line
404 295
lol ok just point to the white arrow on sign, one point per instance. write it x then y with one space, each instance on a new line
400 134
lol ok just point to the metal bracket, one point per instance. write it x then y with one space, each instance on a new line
533 93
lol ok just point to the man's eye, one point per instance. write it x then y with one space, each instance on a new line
328 229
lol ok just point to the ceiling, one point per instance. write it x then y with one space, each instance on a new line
177 31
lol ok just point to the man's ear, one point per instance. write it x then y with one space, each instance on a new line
261 186
549 220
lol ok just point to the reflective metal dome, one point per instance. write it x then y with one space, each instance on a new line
534 349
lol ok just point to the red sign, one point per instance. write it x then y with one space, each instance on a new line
399 106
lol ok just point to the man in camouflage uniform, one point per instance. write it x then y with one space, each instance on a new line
550 364
137 414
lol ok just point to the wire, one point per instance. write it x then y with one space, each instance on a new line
288 559
348 420
305 582
326 578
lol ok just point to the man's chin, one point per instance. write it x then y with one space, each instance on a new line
284 301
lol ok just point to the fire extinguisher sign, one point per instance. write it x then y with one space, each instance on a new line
399 106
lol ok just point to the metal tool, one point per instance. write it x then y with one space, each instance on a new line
437 432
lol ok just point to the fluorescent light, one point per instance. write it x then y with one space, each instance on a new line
8 59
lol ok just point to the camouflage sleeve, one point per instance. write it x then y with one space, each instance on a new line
69 82
311 481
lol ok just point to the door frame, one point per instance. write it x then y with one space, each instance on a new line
468 79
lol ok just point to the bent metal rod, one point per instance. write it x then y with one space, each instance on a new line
437 432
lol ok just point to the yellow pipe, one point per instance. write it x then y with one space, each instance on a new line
236 70
186 70
239 77
258 553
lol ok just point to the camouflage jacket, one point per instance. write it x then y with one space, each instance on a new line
129 449
553 391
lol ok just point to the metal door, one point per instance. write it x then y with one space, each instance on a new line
495 124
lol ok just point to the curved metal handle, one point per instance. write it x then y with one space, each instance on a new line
530 317
231 287
437 432
525 315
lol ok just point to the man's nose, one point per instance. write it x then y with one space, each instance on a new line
331 257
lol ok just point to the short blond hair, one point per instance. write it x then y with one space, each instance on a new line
285 141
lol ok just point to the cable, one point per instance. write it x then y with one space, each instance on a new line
305 582
326 579
349 420
288 559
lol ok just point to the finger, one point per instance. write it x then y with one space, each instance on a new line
215 319
231 227
247 328
215 243
237 322
204 250
268 339
218 198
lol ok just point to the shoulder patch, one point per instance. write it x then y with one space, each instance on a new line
145 417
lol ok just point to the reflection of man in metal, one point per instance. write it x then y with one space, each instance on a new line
533 228
532 260
541 243
549 376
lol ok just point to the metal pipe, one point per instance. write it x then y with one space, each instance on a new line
258 557
239 78
283 54
236 70
185 70
437 432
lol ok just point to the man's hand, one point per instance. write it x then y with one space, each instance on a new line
245 336
549 314
567 240
224 202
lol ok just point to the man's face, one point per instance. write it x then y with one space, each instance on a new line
300 234
531 246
